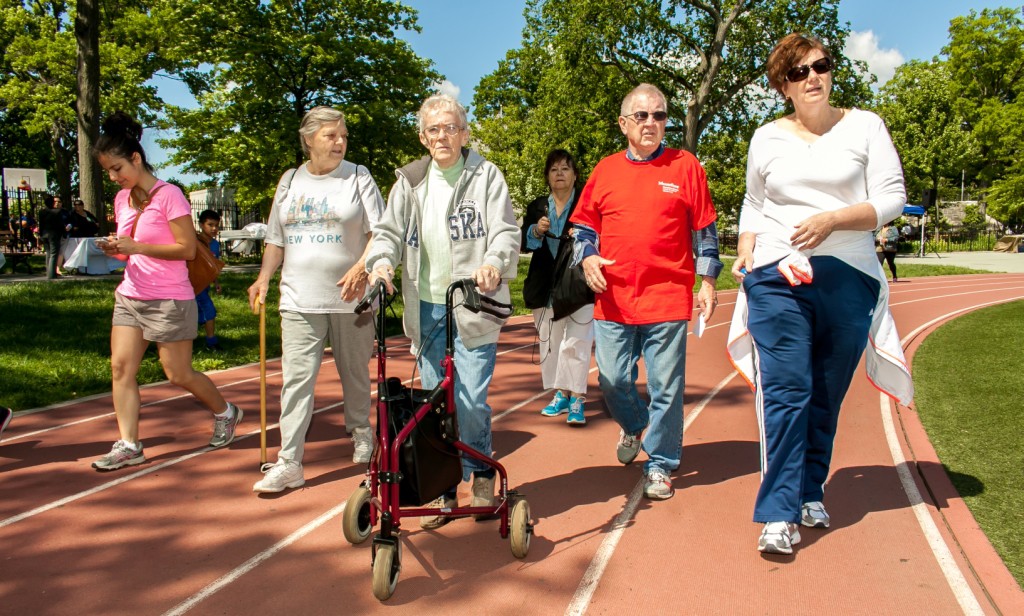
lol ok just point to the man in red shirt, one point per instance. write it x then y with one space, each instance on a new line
634 222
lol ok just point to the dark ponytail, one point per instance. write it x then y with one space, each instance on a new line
121 136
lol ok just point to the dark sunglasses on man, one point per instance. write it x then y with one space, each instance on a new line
819 66
641 116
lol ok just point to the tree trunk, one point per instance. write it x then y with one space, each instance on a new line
61 160
90 176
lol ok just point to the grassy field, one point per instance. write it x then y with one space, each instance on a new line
968 380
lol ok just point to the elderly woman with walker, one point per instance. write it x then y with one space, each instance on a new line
819 181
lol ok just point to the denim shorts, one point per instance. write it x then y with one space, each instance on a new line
207 311
161 320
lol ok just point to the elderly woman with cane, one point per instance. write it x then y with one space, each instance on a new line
819 181
318 231
449 216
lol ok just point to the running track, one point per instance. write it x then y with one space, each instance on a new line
183 533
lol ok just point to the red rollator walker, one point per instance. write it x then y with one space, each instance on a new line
418 453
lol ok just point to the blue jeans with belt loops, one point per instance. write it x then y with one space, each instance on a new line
473 371
663 347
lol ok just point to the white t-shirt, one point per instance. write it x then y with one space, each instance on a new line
436 244
789 180
322 222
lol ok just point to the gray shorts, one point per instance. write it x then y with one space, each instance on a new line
161 320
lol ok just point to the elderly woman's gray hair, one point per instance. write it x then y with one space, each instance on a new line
439 103
315 119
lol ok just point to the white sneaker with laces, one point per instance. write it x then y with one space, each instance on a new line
813 515
778 538
278 476
628 447
658 486
362 445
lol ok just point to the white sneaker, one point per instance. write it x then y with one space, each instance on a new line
280 475
813 515
362 445
483 496
778 538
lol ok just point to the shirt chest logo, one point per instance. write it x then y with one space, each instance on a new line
466 223
669 187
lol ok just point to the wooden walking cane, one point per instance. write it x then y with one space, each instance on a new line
263 383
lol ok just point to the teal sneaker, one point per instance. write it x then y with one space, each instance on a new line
576 417
559 404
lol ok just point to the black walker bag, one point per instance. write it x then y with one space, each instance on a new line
428 462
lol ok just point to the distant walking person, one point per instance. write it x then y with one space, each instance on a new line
319 229
155 301
819 181
888 238
634 224
52 224
209 226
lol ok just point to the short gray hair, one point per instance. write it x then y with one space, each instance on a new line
314 120
644 88
439 103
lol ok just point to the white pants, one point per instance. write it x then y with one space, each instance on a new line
565 347
303 338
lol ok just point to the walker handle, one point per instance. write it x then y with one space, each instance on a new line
375 292
474 302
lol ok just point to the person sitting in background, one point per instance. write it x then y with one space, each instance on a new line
83 223
209 226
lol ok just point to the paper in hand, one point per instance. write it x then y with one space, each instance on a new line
698 329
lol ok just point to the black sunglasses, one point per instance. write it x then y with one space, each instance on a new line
641 116
820 66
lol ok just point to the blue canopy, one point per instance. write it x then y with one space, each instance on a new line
913 210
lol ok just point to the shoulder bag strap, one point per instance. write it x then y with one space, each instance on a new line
140 210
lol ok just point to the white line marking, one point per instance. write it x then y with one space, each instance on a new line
954 577
592 576
254 562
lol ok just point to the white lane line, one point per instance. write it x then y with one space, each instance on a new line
976 292
254 562
954 577
592 576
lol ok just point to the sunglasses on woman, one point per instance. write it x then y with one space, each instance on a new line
819 66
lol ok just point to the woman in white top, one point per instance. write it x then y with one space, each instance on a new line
819 181
318 231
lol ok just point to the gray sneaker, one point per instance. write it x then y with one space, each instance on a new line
483 496
778 538
224 427
430 522
122 454
362 445
813 515
280 475
658 486
628 447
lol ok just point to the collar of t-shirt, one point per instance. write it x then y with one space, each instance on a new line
657 153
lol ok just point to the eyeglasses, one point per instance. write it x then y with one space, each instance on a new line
449 129
819 66
641 116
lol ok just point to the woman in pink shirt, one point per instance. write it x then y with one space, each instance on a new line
155 302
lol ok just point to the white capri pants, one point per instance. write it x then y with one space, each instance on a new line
565 347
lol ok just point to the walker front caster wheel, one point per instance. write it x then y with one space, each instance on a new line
387 564
519 527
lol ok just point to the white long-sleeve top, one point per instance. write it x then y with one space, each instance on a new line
789 180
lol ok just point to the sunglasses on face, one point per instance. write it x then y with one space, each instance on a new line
641 116
819 66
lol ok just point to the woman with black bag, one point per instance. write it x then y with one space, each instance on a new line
564 318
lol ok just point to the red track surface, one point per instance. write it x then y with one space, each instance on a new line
184 532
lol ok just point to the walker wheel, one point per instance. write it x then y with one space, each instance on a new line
355 523
387 564
520 528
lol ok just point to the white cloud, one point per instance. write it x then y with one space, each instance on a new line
881 62
447 87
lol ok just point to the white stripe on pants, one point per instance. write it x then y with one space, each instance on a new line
303 338
565 347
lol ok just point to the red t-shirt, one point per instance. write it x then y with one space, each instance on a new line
644 214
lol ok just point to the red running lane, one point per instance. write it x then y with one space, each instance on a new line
183 533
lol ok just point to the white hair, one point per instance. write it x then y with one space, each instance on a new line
439 103
644 88
314 120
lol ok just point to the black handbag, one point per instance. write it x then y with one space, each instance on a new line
570 290
428 463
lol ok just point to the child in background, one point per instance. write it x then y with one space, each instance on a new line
209 226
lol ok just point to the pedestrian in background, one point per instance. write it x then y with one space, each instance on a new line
209 226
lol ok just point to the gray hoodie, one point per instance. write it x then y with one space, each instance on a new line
483 232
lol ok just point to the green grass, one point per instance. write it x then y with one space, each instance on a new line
968 380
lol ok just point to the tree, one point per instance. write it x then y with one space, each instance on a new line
920 108
258 67
986 59
87 38
578 59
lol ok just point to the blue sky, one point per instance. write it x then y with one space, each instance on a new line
467 38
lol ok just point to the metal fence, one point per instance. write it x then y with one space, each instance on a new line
17 202
231 216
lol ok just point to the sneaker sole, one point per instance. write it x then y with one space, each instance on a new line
546 414
814 523
576 421
361 459
659 495
132 462
771 548
287 486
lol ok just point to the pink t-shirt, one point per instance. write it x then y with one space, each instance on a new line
149 278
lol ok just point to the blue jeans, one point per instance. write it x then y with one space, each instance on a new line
473 371
663 346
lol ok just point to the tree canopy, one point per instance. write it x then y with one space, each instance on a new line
257 67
